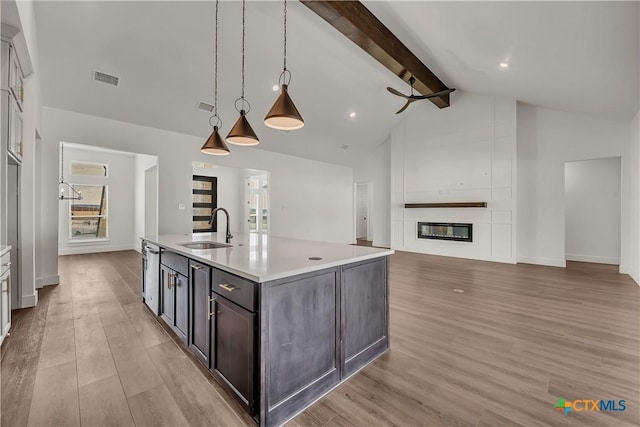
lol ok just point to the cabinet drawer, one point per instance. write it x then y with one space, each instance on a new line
176 262
241 291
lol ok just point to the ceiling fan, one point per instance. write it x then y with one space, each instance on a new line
412 98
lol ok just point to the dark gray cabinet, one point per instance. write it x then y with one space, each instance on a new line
300 342
278 345
201 311
167 305
364 313
181 325
174 293
233 348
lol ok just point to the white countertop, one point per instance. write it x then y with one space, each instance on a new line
263 258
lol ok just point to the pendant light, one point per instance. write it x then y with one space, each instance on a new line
241 133
284 115
215 145
62 184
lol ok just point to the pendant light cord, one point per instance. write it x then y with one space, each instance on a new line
243 22
215 69
285 35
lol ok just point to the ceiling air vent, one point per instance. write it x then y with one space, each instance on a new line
105 78
204 106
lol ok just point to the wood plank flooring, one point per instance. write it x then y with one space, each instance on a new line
499 354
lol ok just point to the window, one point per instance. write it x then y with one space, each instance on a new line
205 200
88 217
88 169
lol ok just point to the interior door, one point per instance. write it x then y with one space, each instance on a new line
362 210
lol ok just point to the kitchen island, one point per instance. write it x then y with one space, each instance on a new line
278 322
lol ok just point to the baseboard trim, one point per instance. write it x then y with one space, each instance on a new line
592 258
453 255
543 261
381 244
95 249
47 281
29 300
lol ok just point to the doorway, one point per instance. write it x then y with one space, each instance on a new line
363 229
151 201
257 198
593 210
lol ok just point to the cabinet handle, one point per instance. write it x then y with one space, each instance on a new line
229 288
196 267
209 312
171 280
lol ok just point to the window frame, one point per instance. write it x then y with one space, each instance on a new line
104 165
214 203
71 217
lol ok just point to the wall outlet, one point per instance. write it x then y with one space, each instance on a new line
181 206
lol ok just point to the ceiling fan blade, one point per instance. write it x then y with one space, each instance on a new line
404 107
395 92
434 95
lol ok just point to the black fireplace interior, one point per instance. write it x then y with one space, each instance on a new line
445 231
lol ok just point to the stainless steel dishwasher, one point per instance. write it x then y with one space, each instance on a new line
151 279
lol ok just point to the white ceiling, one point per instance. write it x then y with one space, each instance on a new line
573 56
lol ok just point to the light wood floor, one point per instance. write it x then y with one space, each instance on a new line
499 354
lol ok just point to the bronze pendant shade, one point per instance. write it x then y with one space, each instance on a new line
215 144
241 133
284 115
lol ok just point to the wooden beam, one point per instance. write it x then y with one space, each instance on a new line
361 26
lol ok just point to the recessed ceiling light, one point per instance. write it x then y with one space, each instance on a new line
504 65
275 88
352 114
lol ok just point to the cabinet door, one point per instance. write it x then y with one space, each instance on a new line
182 306
15 130
200 294
233 348
6 304
15 78
167 306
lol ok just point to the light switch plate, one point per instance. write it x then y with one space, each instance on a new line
181 206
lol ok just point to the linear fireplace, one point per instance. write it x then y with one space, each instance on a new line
445 231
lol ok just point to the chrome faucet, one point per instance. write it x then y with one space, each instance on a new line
213 216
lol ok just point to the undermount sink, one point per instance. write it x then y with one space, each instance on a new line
205 245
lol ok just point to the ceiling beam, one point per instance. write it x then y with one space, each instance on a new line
361 26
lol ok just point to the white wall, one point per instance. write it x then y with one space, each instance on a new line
142 162
546 140
592 210
120 201
375 168
464 153
309 199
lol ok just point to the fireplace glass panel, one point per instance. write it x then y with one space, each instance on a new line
445 231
